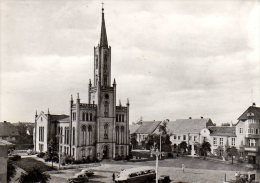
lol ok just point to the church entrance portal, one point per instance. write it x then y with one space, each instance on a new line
105 152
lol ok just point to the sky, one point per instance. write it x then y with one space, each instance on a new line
172 59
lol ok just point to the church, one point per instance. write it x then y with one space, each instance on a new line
96 129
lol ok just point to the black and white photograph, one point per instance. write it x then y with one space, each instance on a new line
130 91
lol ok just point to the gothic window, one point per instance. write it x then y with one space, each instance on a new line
61 133
117 134
106 131
90 134
87 117
123 118
122 134
122 150
90 116
83 129
105 80
96 62
83 116
106 108
73 136
117 118
116 150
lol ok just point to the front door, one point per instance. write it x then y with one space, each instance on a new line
105 152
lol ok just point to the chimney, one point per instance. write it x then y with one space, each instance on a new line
190 117
253 104
201 117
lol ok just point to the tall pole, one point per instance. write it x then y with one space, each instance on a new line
160 145
156 169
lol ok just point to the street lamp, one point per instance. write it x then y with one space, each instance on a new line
157 154
59 137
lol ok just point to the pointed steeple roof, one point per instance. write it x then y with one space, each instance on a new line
103 36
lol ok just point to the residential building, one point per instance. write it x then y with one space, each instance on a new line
248 134
146 128
96 129
8 131
189 130
222 137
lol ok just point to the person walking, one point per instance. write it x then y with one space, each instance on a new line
183 167
113 176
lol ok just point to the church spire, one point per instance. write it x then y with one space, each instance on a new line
103 36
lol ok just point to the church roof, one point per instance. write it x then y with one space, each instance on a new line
55 117
7 129
103 36
222 131
148 127
252 112
188 125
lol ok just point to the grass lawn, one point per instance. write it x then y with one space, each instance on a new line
30 163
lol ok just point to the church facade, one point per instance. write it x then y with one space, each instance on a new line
96 129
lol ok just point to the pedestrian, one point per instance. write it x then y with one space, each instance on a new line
182 167
113 176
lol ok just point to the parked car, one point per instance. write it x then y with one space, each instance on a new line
78 178
88 173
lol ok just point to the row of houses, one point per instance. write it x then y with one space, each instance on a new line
244 135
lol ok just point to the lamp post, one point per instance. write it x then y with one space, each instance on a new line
59 137
157 154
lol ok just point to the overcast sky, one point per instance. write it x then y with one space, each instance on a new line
172 59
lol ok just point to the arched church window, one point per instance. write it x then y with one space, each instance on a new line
106 131
106 109
90 134
90 117
117 134
83 116
87 117
122 134
83 129
73 136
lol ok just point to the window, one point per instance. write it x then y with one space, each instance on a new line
122 134
87 119
252 142
73 152
174 137
123 118
122 150
240 130
233 141
83 129
83 116
179 137
106 108
256 131
41 134
184 137
74 116
61 133
189 137
89 134
221 141
106 131
117 118
73 136
214 141
117 134
195 138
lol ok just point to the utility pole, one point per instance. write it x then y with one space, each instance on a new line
157 154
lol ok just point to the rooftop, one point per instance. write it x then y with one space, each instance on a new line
222 131
252 112
188 125
147 127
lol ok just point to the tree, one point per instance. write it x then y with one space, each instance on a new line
166 143
11 170
183 146
134 141
232 151
205 148
34 175
219 151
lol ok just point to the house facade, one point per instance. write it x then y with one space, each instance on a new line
98 128
146 128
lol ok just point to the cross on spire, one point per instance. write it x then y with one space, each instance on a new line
102 6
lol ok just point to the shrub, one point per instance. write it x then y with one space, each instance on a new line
40 155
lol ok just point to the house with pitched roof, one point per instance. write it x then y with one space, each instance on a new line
8 131
189 130
223 137
146 128
248 134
